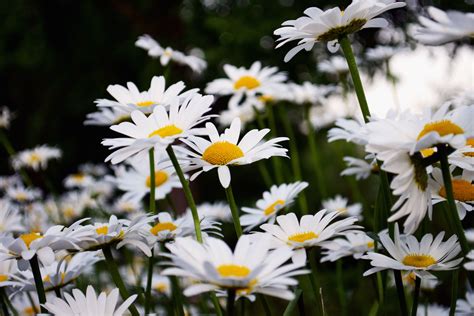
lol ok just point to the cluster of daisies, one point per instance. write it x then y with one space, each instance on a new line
121 223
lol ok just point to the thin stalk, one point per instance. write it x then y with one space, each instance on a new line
114 272
57 291
151 262
234 210
266 306
261 165
187 192
401 292
314 279
294 155
454 292
231 302
8 302
316 160
340 287
3 302
416 296
294 302
242 307
38 282
275 160
215 302
32 302
177 297
151 156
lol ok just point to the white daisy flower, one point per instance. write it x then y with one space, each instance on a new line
36 158
310 231
309 93
8 269
465 307
160 284
409 280
130 98
136 180
334 65
89 304
78 180
340 204
469 233
126 206
224 150
218 211
463 191
168 54
381 53
354 244
443 27
470 265
432 310
96 170
278 198
350 130
10 218
327 26
6 117
20 194
359 168
9 181
160 128
463 157
107 116
250 268
72 205
420 257
245 112
256 80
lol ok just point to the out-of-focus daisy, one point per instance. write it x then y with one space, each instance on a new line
218 211
96 170
359 168
136 180
131 98
160 128
463 191
36 158
160 284
350 130
310 231
469 233
267 208
328 26
335 65
9 181
470 265
126 206
353 244
107 116
89 304
463 157
465 307
168 54
309 93
8 269
250 268
73 204
381 53
340 204
6 117
443 27
420 257
20 194
247 82
10 218
432 310
409 280
245 112
224 150
78 180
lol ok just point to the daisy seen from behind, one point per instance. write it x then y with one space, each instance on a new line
36 158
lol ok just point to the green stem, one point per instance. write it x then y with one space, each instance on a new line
231 302
454 292
314 279
57 291
3 302
416 295
8 302
187 192
401 292
151 155
340 287
177 297
38 282
294 155
149 282
215 302
266 306
261 165
294 302
114 272
277 167
242 307
32 302
234 210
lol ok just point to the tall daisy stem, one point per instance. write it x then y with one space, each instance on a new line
275 160
187 192
35 268
454 292
215 302
416 296
177 297
3 302
293 303
340 287
231 302
7 301
401 292
314 279
151 155
151 262
266 306
114 272
234 210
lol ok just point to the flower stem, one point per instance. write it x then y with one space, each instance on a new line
454 292
266 307
314 279
416 295
7 301
275 160
231 302
187 192
177 297
292 305
215 302
261 165
401 292
38 282
151 155
151 262
3 302
114 272
234 210
340 287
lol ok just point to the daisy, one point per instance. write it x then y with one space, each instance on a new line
126 206
78 180
278 198
20 194
328 26
359 168
73 204
107 116
160 284
350 130
256 80
89 304
443 27
335 65
36 158
409 280
136 181
465 307
166 54
250 268
160 128
381 53
95 170
218 211
309 93
354 244
470 265
463 157
310 231
6 117
469 234
420 257
222 151
10 218
463 191
8 269
245 112
130 98
339 204
432 310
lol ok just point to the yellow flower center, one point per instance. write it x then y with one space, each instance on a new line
425 153
21 196
162 227
302 237
341 209
247 290
3 277
233 270
271 209
30 311
221 153
247 82
370 244
418 260
79 177
462 190
470 143
103 230
69 212
161 287
410 278
265 98
443 128
166 131
145 103
47 278
34 158
29 238
160 178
